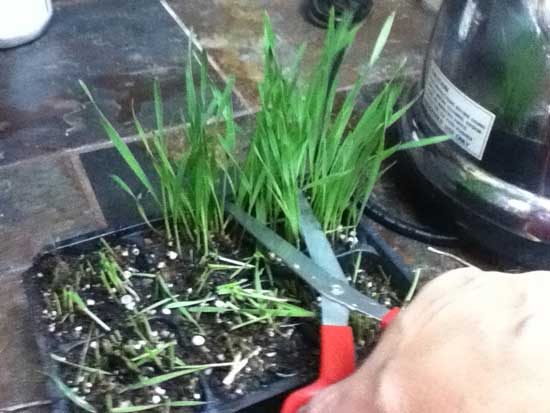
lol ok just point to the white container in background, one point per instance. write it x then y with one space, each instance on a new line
23 20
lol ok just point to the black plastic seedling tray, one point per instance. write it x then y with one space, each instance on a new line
265 399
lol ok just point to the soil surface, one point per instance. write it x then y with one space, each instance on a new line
124 341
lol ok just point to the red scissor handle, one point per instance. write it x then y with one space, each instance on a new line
337 362
389 317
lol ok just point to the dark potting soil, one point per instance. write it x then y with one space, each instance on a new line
105 368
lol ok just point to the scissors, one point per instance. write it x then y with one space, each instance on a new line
322 272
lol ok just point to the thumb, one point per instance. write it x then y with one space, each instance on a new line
349 395
325 401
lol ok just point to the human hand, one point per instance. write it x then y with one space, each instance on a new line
470 342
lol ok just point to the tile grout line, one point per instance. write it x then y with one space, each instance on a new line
107 143
211 61
136 138
104 144
87 189
25 406
15 271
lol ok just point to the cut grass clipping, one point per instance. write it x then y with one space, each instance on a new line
84 405
302 142
252 305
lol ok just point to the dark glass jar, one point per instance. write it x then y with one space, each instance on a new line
495 53
486 83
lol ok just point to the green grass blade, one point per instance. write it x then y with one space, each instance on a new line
120 145
75 298
179 304
207 309
381 40
131 409
288 310
185 403
72 396
153 381
159 113
63 360
415 144
123 185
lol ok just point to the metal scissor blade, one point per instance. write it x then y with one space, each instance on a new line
335 289
321 252
317 244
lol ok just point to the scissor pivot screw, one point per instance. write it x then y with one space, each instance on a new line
336 289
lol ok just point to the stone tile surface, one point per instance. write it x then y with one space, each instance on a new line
43 202
231 31
117 48
21 377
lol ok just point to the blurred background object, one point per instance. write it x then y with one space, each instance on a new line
22 21
317 11
485 83
432 4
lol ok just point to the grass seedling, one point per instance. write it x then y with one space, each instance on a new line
56 304
85 349
66 302
142 326
71 395
109 273
190 303
274 163
152 355
74 299
203 278
167 405
302 142
153 381
81 367
156 305
224 264
192 182
182 310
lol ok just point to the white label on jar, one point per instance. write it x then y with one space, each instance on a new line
456 114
